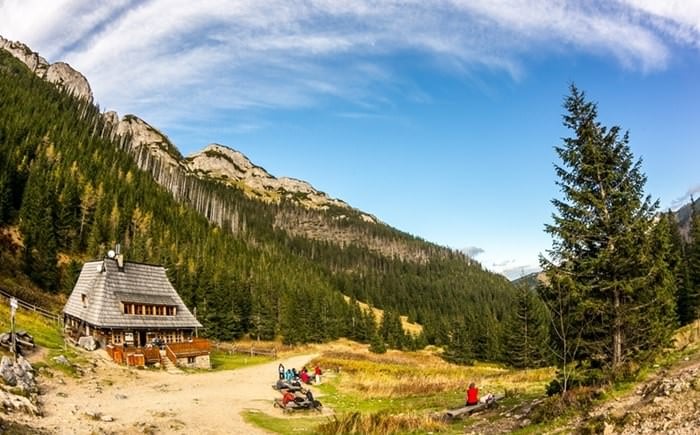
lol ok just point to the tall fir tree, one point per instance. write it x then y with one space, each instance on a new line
37 227
693 256
686 299
602 256
460 348
527 332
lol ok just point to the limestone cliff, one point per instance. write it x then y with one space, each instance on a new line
59 73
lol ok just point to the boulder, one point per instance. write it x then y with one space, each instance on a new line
7 371
61 360
87 342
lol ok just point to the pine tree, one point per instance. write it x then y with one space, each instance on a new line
37 227
376 344
526 333
686 300
459 350
391 330
693 307
601 255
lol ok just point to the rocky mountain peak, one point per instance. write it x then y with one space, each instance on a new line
233 167
59 73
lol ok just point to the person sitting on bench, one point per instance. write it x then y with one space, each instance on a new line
472 395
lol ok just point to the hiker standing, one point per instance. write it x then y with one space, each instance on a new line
472 395
280 370
317 374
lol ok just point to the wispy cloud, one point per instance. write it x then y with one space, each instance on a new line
519 271
472 251
693 192
162 58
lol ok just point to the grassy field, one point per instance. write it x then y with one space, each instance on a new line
221 360
398 392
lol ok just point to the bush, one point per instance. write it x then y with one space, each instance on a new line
577 399
377 345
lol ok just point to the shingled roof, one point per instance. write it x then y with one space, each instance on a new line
106 287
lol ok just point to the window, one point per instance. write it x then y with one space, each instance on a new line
191 359
84 298
116 337
149 310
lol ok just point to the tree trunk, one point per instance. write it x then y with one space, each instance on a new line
617 331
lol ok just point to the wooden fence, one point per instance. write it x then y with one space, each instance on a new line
247 350
133 356
31 307
195 347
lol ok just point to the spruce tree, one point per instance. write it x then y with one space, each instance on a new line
686 299
693 308
602 256
526 332
376 344
460 349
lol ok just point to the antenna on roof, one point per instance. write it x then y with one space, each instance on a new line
111 253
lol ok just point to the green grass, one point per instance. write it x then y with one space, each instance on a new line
347 401
285 425
46 333
225 361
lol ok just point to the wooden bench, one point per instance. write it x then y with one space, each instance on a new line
468 410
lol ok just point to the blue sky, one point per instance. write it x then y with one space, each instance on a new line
438 117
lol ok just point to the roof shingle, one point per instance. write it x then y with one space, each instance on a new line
105 287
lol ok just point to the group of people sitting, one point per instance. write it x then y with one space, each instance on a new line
304 375
294 396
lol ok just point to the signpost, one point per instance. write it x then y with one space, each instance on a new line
13 310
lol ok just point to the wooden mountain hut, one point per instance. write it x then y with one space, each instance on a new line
129 304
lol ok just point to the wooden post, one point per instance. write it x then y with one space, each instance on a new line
13 309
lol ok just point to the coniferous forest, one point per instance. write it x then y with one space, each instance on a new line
70 192
619 278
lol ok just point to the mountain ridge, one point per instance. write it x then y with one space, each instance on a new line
319 216
59 73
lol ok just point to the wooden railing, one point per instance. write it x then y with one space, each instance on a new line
248 350
133 356
198 346
31 307
170 354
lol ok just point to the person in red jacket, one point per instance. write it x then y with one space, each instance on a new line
472 395
288 397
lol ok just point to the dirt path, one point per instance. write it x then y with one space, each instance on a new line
145 401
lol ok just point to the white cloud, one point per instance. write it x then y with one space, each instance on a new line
519 271
163 58
678 18
472 251
693 192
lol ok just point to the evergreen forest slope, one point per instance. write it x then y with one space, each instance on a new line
71 188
